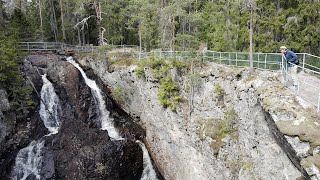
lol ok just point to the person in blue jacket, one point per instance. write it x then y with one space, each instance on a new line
291 57
293 61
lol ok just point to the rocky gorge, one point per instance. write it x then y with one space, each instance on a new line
229 123
199 120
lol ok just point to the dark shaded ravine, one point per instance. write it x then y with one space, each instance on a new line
80 150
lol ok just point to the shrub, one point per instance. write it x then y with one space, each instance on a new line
119 94
225 127
179 64
168 93
218 90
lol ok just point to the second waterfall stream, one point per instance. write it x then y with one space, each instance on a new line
29 160
106 120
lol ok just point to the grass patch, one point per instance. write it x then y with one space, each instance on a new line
122 62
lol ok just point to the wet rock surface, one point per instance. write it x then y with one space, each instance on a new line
81 150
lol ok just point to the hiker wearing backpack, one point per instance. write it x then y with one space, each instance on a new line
292 60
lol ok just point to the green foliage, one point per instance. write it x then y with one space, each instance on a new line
219 92
160 67
119 94
179 64
10 76
168 93
179 24
140 71
195 80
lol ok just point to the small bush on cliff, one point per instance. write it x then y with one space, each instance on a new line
119 94
218 90
227 126
168 93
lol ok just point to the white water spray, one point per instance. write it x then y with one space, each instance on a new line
106 120
148 171
29 160
49 106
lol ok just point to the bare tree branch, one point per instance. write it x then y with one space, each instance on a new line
82 22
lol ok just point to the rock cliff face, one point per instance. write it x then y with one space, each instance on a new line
80 150
232 125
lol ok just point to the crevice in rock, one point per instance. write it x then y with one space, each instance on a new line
285 146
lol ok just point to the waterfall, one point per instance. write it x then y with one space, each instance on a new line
29 160
106 120
49 106
148 171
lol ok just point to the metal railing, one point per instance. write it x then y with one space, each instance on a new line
57 46
307 87
309 64
54 46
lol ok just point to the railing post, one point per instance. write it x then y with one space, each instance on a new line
91 48
258 60
220 57
28 46
236 59
304 60
283 70
265 61
213 56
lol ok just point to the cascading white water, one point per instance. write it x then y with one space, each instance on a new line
49 106
29 160
148 171
106 120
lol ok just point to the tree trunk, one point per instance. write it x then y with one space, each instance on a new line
173 34
140 38
54 23
79 37
251 34
62 22
41 20
83 37
99 22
